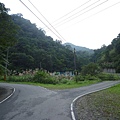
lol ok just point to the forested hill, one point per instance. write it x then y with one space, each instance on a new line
36 50
109 56
78 48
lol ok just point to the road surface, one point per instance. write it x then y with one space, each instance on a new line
37 103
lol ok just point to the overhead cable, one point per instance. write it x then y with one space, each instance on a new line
96 13
76 13
46 19
57 25
99 11
39 19
72 11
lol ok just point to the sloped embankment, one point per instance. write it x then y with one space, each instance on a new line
103 105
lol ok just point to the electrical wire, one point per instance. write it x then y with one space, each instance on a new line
39 19
56 22
76 13
57 25
92 9
60 23
96 13
99 12
72 11
46 19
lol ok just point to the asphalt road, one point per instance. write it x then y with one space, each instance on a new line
37 103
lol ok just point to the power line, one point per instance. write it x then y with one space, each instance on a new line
76 13
45 19
81 13
71 11
57 22
97 12
39 18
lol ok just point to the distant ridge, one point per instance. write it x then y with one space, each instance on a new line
78 48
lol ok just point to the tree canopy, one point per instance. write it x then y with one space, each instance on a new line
8 29
35 49
30 48
8 32
109 56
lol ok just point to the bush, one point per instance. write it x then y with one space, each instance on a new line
90 77
1 77
79 78
108 76
44 77
91 69
64 81
25 78
86 77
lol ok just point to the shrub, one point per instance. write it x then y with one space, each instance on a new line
79 78
25 78
1 77
86 77
64 81
91 68
90 77
108 76
44 77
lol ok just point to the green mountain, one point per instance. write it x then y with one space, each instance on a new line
109 56
34 49
78 48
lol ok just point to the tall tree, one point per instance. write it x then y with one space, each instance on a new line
8 32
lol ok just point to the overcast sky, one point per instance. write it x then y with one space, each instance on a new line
90 23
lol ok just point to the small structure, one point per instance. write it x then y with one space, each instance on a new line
66 73
109 70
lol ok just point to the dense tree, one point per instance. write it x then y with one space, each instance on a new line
22 61
45 53
34 49
42 50
8 32
8 29
109 56
91 69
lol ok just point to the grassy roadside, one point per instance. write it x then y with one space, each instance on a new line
68 85
103 105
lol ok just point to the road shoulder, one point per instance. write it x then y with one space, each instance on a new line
5 92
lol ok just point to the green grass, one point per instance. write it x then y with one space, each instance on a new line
68 85
103 104
115 89
109 100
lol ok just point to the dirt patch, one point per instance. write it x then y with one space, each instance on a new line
98 106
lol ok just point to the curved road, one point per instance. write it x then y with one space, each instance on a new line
37 103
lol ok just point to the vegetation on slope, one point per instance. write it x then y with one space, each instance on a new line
104 105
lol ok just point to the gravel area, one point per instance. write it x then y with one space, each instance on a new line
98 106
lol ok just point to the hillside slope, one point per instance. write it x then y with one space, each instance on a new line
79 48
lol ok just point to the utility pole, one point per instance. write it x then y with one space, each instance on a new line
75 72
74 59
6 64
51 63
40 66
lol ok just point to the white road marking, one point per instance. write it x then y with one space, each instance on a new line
8 96
71 106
